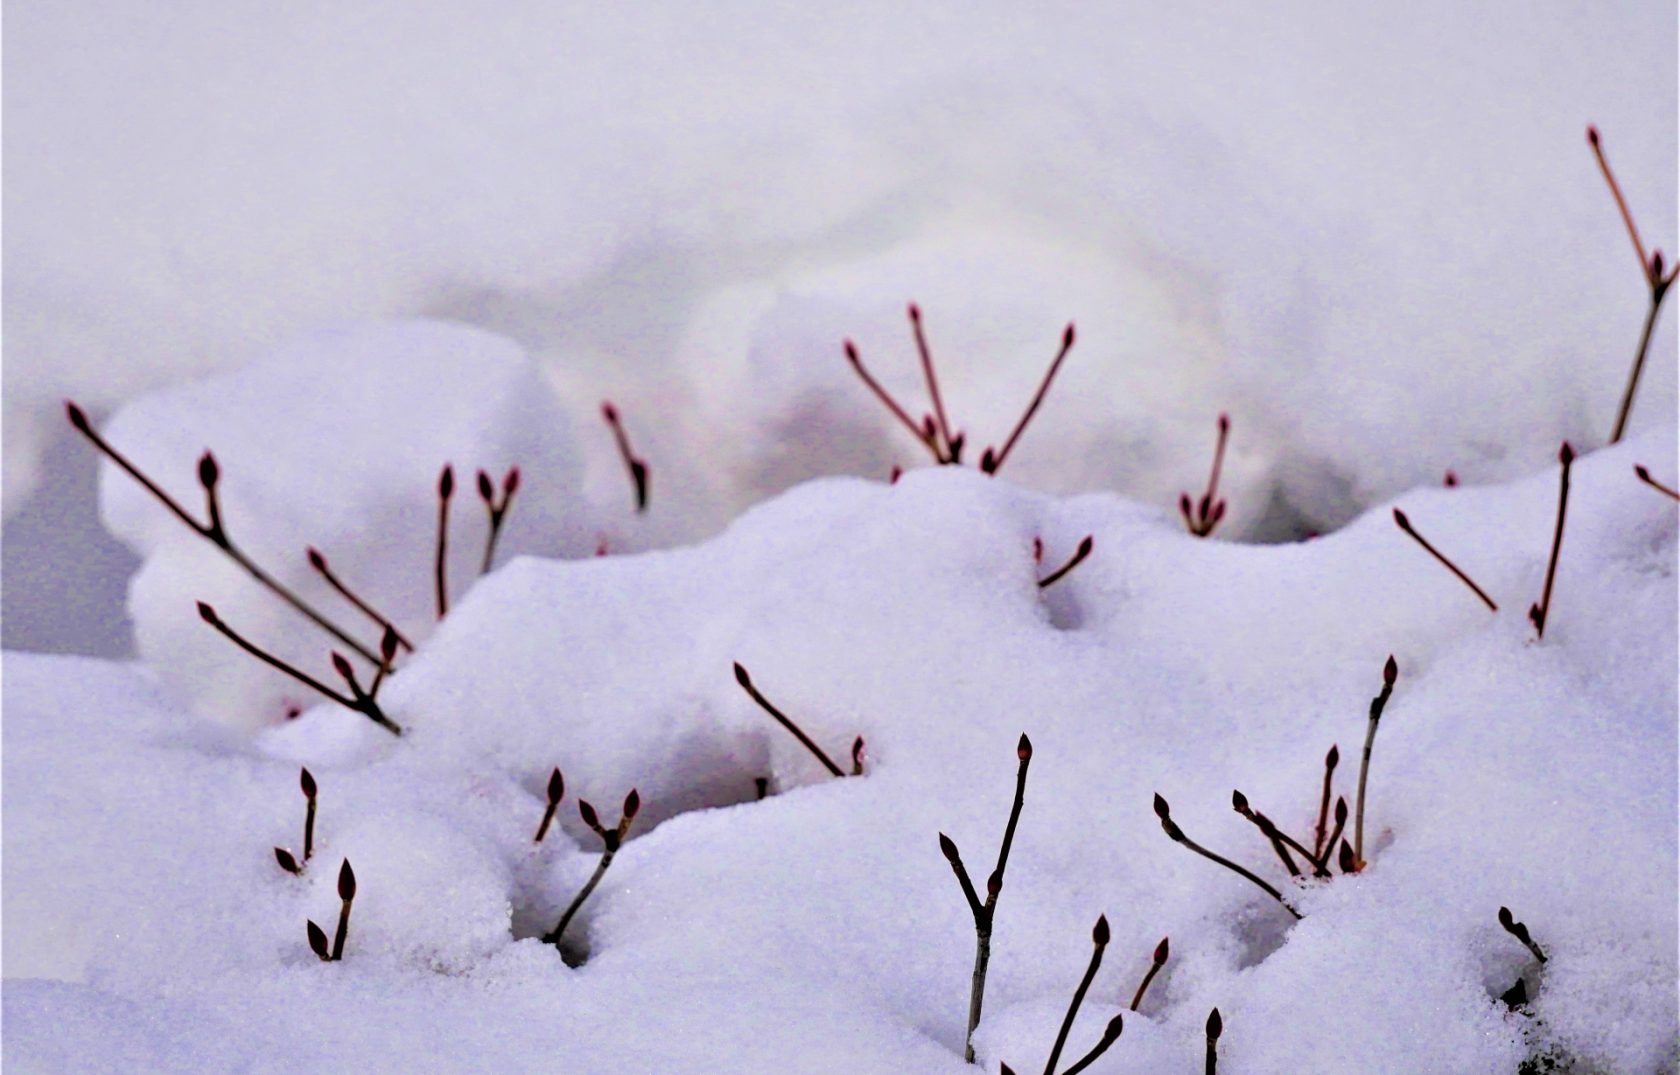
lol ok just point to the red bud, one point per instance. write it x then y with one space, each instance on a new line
1239 802
851 352
1224 422
1067 336
316 560
994 883
741 676
346 882
1644 475
446 482
1505 918
1345 859
1332 757
915 312
318 941
948 848
632 803
1451 480
1084 549
609 412
1161 952
988 461
1161 807
1391 671
1115 1026
1592 136
1401 520
1023 748
388 644
1341 810
306 781
587 812
897 473
1566 454
342 666
510 482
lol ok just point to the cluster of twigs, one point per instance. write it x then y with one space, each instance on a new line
611 839
213 529
1349 858
934 431
1204 515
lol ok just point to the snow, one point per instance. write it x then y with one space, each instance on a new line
341 246
820 928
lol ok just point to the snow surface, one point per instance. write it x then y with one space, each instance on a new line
820 929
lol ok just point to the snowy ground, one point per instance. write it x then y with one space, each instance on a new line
342 246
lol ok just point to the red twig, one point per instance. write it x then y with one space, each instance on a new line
634 463
1537 613
1405 524
1645 476
1209 510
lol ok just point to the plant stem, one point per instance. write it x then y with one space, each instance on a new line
1156 963
1078 557
1390 673
440 560
1330 760
1099 941
322 568
1566 456
553 936
928 442
1406 525
1176 834
1038 397
746 683
1644 475
944 426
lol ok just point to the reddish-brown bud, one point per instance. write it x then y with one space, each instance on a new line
1341 810
897 473
632 803
915 312
1566 454
1401 521
1099 932
446 482
988 461
994 883
1023 748
590 817
346 882
341 665
1391 671
1592 136
1224 422
1643 474
388 644
1162 810
1451 480
287 861
77 416
741 676
1239 803
306 781
1345 859
510 482
486 491
1067 336
1332 757
318 941
948 848
1161 952
206 613
208 472
316 560
609 412
851 352
556 786
1215 1025
1111 1033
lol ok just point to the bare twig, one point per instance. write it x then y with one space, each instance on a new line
611 839
1157 961
1176 834
990 463
347 893
556 791
1078 557
1391 672
632 462
1537 613
440 561
1330 760
497 510
1644 475
764 703
1209 510
1405 524
920 433
1099 941
318 561
306 782
985 912
1520 932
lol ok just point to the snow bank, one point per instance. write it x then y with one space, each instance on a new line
334 442
820 929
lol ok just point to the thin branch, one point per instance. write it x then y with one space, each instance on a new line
1157 961
1176 834
214 531
996 462
636 465
943 432
764 703
1099 941
1391 672
1078 558
497 510
322 568
1405 524
927 441
611 839
1538 613
1330 760
1644 475
440 560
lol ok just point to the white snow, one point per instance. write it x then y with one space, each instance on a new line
343 245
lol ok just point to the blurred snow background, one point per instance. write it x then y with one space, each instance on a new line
1372 233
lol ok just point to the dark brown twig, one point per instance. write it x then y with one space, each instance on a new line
1323 861
347 893
306 782
1099 941
1330 759
496 510
322 568
440 561
1078 558
611 839
357 700
1215 1027
556 791
985 912
213 531
1644 475
632 462
1281 841
920 433
1405 524
1520 932
1537 613
1157 961
1176 834
764 703
942 429
1391 672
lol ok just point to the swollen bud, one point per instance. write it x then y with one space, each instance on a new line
486 491
286 861
1566 454
1067 336
1506 919
341 665
1391 671
590 817
915 312
632 803
741 676
1644 475
206 613
1592 136
556 786
1111 1033
510 482
306 781
1331 758
1161 807
1161 952
1401 520
316 560
1341 810
318 941
1099 932
1023 748
1184 505
346 882
608 411
388 644
1239 803
851 352
1224 422
1345 859
446 482
994 883
208 471
1084 549
1215 1025
988 461
1656 265
948 848
77 416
